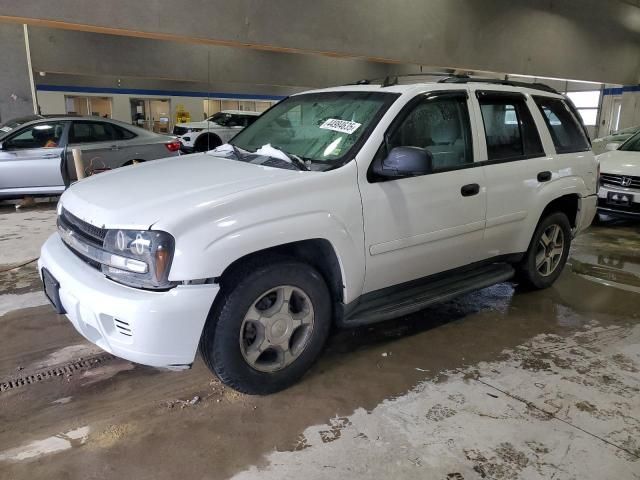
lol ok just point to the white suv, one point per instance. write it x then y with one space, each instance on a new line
214 131
620 179
345 206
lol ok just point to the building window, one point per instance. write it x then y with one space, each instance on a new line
587 104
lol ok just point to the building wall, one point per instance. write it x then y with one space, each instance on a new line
577 39
15 90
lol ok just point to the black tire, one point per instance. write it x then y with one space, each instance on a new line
528 274
220 345
207 142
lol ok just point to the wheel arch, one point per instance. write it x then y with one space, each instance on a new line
316 252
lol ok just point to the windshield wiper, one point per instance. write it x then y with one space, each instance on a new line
294 159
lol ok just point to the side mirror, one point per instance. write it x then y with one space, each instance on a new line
405 162
612 146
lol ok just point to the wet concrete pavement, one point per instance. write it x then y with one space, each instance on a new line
500 383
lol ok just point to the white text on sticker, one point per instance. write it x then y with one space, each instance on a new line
343 126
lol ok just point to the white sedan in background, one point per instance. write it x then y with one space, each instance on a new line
619 193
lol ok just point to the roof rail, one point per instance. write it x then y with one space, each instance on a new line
466 79
450 77
391 80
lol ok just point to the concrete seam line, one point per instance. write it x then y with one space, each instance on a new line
19 265
552 415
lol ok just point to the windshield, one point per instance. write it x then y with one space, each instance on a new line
321 128
12 124
632 145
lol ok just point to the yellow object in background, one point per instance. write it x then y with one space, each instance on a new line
182 116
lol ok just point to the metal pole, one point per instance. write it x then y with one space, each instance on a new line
31 81
77 161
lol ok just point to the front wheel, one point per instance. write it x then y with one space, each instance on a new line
547 253
269 327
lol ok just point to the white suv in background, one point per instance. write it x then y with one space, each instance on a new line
214 131
620 179
345 206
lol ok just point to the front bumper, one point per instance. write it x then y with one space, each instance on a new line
633 210
160 329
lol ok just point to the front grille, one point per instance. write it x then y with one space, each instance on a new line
626 181
82 229
179 130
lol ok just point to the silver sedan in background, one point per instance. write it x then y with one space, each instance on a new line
31 150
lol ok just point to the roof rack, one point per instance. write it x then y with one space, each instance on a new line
497 81
450 77
391 80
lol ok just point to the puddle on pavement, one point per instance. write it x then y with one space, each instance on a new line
54 444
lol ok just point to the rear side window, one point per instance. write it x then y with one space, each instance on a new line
566 131
509 128
123 133
91 132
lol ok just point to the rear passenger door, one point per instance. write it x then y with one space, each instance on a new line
97 140
516 165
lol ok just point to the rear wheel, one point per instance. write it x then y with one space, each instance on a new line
269 327
547 253
207 142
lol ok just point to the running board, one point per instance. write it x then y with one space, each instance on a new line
412 299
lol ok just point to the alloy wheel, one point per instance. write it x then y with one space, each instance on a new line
550 250
276 328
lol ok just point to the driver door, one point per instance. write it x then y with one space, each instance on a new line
422 225
30 159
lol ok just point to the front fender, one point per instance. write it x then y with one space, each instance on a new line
323 206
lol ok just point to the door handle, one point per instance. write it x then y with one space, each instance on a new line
544 176
470 189
115 147
50 155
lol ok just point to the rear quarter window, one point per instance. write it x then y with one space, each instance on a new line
566 130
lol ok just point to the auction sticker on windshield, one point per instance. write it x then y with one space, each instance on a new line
342 126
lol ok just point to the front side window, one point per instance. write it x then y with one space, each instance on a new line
439 124
42 135
319 128
566 132
509 128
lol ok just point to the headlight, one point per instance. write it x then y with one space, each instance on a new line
140 258
194 130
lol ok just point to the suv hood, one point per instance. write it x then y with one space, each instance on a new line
138 196
620 162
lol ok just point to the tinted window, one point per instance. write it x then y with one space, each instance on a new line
440 125
566 131
42 135
509 127
91 132
123 133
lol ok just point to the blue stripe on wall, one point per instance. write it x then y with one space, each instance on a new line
621 90
161 93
